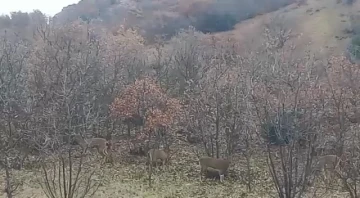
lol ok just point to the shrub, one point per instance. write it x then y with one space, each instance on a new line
354 48
215 22
166 26
283 129
65 177
355 23
349 2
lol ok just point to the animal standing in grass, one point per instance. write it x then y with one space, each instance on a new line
158 154
101 144
221 165
154 155
328 162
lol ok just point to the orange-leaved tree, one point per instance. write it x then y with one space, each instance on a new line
147 101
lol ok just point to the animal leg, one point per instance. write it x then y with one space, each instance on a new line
324 175
157 164
166 164
111 158
103 155
221 178
24 158
107 156
221 174
162 165
201 173
103 160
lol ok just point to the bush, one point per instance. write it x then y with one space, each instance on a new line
215 22
349 2
273 135
283 129
355 23
354 48
166 27
66 177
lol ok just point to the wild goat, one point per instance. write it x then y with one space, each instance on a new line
101 144
221 165
328 162
158 154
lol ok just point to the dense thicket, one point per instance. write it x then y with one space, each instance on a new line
80 78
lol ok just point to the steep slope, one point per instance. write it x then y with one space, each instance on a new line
318 25
167 17
103 10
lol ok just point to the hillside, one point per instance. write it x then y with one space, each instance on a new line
110 80
162 17
318 25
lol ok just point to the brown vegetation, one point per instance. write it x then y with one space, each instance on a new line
269 110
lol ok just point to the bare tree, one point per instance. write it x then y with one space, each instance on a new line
343 108
65 177
289 113
13 54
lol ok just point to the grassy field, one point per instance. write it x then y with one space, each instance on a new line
129 178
